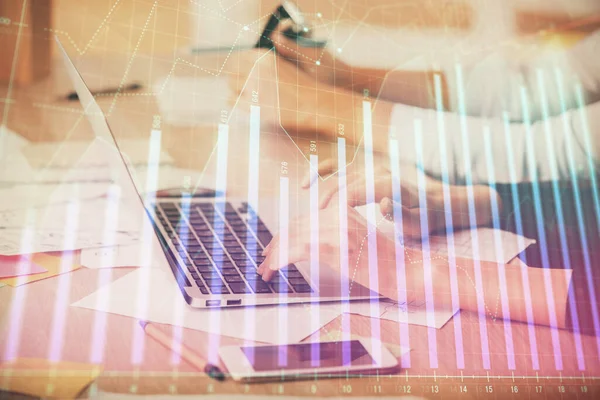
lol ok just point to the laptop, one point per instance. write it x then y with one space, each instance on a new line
213 245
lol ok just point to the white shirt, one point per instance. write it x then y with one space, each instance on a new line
525 120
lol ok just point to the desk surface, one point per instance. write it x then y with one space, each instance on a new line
39 310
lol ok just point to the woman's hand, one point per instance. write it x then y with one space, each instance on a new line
420 196
411 179
328 236
331 241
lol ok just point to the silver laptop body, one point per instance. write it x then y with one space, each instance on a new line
213 245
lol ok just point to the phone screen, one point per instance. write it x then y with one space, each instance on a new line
308 356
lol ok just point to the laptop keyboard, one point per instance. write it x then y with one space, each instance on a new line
222 250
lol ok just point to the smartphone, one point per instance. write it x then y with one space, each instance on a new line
307 360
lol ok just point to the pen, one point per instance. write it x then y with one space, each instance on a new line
131 87
186 353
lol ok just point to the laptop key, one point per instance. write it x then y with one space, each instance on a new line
236 251
258 259
259 286
248 270
239 288
205 268
224 263
304 288
233 278
281 288
219 289
277 279
203 289
210 275
201 261
230 271
297 281
195 275
265 237
243 258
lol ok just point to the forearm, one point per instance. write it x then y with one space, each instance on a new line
509 291
515 292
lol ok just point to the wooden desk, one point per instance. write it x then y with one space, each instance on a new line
39 308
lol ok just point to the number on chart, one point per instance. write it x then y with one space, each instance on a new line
284 168
224 116
341 130
156 122
313 146
255 96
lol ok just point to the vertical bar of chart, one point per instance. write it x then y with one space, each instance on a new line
425 246
284 220
508 336
583 121
111 217
148 239
578 204
458 339
551 156
533 348
314 251
13 341
539 219
483 333
399 244
343 232
253 202
57 335
371 218
219 227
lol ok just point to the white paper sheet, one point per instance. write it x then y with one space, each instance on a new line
415 314
121 256
39 195
91 215
510 244
21 241
161 301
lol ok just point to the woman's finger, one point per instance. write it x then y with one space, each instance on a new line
410 222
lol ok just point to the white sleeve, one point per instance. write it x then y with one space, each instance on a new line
492 84
479 150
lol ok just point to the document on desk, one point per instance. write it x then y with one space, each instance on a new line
413 313
26 241
40 195
86 215
121 256
151 294
509 244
